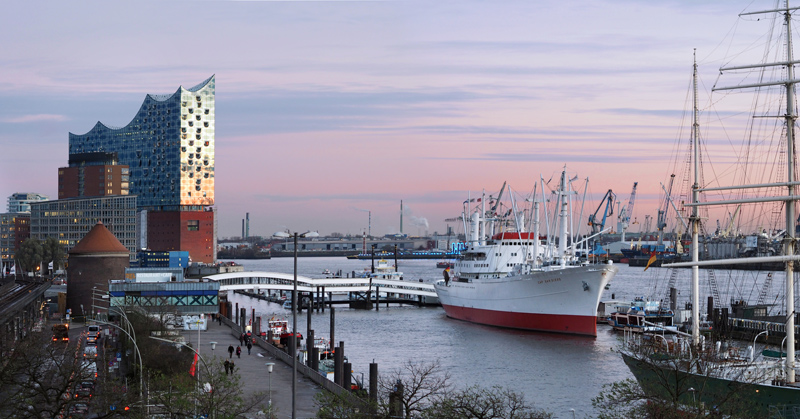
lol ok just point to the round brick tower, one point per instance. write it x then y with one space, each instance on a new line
96 259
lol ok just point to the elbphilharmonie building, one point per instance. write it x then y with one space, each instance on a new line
169 149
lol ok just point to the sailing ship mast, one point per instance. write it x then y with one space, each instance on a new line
789 256
695 220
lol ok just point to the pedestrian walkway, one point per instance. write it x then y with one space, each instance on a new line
253 371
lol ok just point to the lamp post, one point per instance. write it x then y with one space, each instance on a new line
141 372
196 351
293 343
269 369
129 327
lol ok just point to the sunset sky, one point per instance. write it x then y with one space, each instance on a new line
328 110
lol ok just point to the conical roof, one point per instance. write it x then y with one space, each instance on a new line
98 240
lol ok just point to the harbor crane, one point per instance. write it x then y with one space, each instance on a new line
624 217
608 199
663 210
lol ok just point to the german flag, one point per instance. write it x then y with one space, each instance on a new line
651 260
194 366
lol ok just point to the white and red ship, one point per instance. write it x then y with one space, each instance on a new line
516 280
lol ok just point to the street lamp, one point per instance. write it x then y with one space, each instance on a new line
141 374
269 369
293 344
196 351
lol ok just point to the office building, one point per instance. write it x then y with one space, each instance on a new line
15 228
169 150
69 220
93 174
20 202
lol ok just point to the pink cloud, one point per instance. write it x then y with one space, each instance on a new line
23 119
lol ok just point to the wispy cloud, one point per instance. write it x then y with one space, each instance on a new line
23 119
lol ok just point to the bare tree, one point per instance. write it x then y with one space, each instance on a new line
422 384
484 403
217 394
423 390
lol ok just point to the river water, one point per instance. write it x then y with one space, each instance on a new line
555 372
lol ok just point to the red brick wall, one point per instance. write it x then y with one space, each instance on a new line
170 230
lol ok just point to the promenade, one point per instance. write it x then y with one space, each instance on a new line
253 371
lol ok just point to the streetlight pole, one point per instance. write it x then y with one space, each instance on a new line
141 372
196 351
294 334
293 343
269 369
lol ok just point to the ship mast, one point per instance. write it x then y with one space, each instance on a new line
695 220
789 117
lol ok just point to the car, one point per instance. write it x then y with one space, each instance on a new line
89 369
78 410
84 389
90 352
93 330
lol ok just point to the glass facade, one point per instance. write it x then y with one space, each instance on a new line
70 219
168 146
179 297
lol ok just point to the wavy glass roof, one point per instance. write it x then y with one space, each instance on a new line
168 145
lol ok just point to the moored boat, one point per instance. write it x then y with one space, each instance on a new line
734 381
642 316
515 281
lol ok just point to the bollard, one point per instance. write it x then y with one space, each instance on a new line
333 324
396 400
373 387
347 378
308 320
315 358
309 346
337 366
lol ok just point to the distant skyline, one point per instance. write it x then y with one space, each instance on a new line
329 111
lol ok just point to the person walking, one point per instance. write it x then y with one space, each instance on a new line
238 351
241 339
227 366
230 351
232 367
249 347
